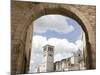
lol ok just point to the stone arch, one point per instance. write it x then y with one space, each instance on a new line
74 14
25 13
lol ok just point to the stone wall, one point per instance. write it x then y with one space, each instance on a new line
24 13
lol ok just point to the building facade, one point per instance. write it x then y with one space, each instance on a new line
48 59
75 62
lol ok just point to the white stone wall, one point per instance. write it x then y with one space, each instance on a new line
48 58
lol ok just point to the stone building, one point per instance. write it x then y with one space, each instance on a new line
48 59
75 62
41 68
62 65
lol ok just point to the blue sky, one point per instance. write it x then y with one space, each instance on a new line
71 36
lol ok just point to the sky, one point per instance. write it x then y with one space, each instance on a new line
60 31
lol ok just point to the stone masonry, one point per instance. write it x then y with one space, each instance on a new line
23 15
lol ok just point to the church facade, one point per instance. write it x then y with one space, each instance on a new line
75 62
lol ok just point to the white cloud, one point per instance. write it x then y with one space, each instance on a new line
63 48
38 42
79 44
57 23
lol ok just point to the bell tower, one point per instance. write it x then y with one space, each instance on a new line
48 58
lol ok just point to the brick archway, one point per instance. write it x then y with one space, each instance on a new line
24 14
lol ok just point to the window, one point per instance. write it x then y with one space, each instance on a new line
50 49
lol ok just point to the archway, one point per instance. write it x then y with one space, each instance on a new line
24 13
76 15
